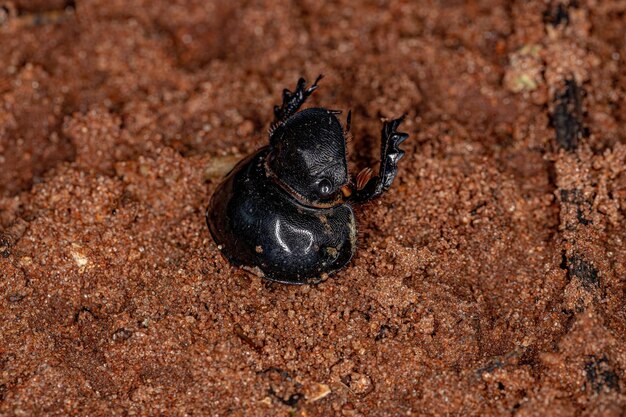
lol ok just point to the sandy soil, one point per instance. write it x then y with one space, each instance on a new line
491 280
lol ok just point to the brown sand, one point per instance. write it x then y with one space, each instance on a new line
489 281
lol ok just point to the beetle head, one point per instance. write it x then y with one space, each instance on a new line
308 155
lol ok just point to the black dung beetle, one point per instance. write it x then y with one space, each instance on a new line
285 211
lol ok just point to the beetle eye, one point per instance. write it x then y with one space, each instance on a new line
325 187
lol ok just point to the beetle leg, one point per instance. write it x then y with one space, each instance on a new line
390 154
293 100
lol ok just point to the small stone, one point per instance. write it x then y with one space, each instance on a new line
219 166
360 383
79 257
122 334
318 391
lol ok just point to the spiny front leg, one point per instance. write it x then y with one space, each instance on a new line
293 100
390 154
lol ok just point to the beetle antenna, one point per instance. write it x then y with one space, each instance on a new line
348 120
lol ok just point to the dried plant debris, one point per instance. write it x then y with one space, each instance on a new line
558 12
582 270
567 117
600 375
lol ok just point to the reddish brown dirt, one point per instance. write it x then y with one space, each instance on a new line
490 280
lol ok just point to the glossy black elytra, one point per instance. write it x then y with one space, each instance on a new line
285 211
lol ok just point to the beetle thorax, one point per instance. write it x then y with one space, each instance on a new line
308 156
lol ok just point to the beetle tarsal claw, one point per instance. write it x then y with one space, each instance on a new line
293 100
